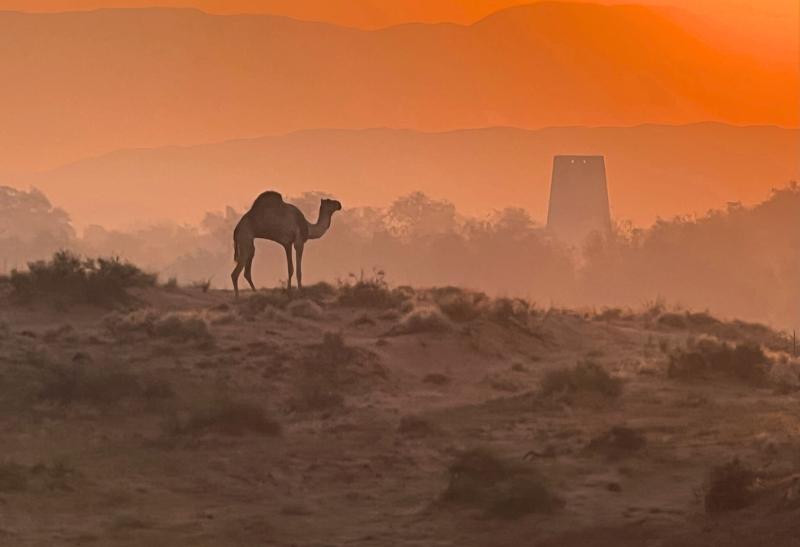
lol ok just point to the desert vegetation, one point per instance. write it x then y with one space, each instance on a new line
443 413
426 242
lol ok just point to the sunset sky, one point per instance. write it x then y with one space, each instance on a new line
90 84
768 25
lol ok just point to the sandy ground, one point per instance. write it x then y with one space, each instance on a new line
122 472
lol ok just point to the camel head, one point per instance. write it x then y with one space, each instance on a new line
329 206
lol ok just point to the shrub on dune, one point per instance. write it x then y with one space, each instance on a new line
422 319
69 279
586 377
479 478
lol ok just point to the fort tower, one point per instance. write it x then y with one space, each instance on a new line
578 198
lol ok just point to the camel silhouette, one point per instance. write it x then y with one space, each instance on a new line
272 218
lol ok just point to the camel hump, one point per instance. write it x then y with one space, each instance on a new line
268 199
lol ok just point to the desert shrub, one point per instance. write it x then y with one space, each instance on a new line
171 284
421 319
185 326
617 442
304 308
460 305
510 310
610 314
322 375
479 478
585 377
67 278
707 357
688 320
729 487
227 417
93 385
370 292
84 383
319 291
262 300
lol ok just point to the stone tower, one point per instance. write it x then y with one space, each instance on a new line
578 198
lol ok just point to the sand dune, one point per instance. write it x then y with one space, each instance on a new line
191 419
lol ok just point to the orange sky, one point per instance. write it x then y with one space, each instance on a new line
82 91
771 25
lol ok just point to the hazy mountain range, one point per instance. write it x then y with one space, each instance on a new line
78 84
653 170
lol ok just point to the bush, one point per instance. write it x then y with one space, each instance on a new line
729 487
228 417
479 478
305 308
82 383
423 319
370 292
688 320
617 442
745 362
322 375
183 326
459 305
262 300
585 377
510 311
319 291
69 279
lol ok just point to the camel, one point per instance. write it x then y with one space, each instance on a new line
272 218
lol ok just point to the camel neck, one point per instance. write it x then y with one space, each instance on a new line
316 231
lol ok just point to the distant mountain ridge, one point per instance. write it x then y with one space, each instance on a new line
78 84
652 170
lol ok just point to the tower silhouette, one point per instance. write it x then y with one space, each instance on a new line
578 198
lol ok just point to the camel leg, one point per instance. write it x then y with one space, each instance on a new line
289 265
299 250
248 271
246 251
235 277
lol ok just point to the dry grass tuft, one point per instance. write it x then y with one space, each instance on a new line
422 319
305 308
706 358
460 305
227 417
183 326
587 377
370 292
323 375
617 442
99 385
729 487
479 478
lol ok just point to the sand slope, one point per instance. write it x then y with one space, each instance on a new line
115 466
